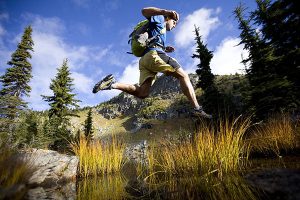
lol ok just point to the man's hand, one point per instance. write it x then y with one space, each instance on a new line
169 49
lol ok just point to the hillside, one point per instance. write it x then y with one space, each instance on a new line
165 111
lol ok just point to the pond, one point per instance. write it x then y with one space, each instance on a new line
276 178
118 187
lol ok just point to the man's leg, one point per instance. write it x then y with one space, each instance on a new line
138 91
170 66
189 92
186 86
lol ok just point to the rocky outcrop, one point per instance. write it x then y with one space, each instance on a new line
166 85
50 167
51 175
137 152
164 88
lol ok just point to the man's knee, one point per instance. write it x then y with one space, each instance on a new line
144 90
180 73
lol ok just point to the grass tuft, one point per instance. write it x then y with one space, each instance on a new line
212 150
13 170
273 136
99 157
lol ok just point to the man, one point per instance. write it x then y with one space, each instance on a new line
156 60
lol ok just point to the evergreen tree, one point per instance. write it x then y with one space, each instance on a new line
280 24
211 97
88 126
15 85
15 80
206 78
27 130
61 104
271 89
62 100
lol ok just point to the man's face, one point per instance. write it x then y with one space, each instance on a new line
170 24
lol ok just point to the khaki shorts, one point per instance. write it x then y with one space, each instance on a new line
153 62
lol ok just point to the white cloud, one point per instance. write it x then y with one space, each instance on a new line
228 56
51 25
82 83
131 73
203 18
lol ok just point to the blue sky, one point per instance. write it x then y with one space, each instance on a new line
93 35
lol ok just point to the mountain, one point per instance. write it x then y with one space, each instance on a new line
165 110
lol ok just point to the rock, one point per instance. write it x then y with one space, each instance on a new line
50 167
137 152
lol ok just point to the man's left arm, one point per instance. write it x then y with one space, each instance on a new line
152 11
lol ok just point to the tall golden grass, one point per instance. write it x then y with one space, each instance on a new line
99 157
223 148
13 170
273 136
213 150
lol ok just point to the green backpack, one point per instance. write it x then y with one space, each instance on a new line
139 38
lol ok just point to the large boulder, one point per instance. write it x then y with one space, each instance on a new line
50 167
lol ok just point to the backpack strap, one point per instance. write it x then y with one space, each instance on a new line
156 44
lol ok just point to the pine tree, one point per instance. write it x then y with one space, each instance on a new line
61 104
15 80
15 85
206 78
62 100
271 89
27 129
211 97
280 24
88 126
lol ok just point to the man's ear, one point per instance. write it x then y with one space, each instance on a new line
167 18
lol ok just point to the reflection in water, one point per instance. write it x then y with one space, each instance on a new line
104 187
210 187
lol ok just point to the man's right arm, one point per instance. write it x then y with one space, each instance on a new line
152 11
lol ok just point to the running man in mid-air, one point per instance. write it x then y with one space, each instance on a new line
154 60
